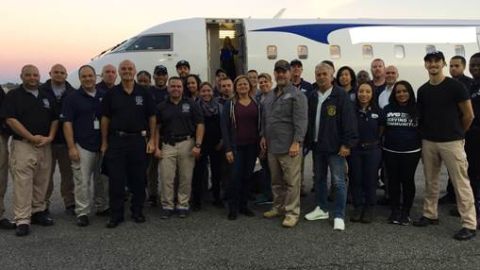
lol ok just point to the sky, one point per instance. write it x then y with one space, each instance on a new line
46 32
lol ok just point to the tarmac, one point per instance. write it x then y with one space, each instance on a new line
208 240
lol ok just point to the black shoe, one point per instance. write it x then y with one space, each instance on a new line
113 223
367 216
454 212
166 214
424 221
218 203
356 215
70 210
6 224
394 218
104 213
247 212
82 221
153 201
42 218
405 219
447 199
139 218
22 230
232 215
47 211
182 213
464 234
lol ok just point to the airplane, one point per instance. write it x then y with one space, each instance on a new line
261 42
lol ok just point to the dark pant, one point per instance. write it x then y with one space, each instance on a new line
472 149
200 175
364 168
239 185
126 162
401 169
266 182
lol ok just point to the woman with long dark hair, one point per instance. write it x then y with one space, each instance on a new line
402 149
193 83
346 79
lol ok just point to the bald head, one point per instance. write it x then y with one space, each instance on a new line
30 77
58 74
127 70
109 75
391 75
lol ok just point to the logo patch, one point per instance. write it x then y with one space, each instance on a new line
185 108
139 100
374 116
46 103
331 110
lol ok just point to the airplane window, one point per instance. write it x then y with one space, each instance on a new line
460 50
151 42
335 52
399 51
271 52
302 51
430 48
367 51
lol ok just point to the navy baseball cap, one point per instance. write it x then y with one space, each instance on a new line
182 63
160 69
438 55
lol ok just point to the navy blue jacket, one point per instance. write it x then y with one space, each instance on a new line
338 124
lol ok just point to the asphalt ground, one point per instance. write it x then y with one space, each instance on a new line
207 240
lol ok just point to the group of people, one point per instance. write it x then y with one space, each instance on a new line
118 138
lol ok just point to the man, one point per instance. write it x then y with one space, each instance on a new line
284 124
391 76
81 116
4 135
109 76
220 74
31 115
181 130
445 114
159 94
332 132
183 69
377 68
128 116
472 137
253 78
457 68
226 90
59 88
363 77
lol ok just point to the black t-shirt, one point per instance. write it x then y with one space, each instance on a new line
128 112
439 114
34 113
401 130
178 119
475 96
158 94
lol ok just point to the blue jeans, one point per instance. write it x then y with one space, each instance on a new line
364 173
321 162
239 185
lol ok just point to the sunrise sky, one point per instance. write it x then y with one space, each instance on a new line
45 32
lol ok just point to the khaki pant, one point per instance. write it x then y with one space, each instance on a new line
3 171
60 155
30 167
454 157
176 157
286 181
83 171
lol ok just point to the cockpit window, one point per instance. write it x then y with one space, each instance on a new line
147 43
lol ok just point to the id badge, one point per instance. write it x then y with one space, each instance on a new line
96 124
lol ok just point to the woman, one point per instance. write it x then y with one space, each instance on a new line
346 79
365 156
193 83
240 133
144 79
211 148
227 58
402 149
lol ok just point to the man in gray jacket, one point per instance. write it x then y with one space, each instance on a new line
284 125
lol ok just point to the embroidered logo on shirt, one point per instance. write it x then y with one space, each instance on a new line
331 110
185 108
139 100
374 116
46 103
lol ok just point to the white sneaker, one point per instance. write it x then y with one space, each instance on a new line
316 214
338 224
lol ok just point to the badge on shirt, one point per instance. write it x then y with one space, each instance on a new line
139 100
331 110
476 94
374 116
46 103
185 108
96 124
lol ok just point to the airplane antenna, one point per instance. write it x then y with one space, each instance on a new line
279 13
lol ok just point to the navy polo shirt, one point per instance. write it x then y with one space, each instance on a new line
35 113
369 123
128 112
178 119
158 94
84 112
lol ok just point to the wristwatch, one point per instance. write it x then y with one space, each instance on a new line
198 145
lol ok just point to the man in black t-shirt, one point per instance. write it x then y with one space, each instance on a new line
445 114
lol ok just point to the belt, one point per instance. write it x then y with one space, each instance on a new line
172 140
368 144
122 134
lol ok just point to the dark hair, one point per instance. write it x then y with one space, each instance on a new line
373 102
252 70
461 58
330 63
475 55
144 72
353 83
205 83
197 79
411 103
86 66
175 78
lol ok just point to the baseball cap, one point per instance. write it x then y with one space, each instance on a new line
182 63
296 62
434 55
160 69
